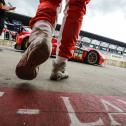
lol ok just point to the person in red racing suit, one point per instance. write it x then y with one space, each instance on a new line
43 25
3 8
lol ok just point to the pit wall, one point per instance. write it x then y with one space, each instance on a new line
114 60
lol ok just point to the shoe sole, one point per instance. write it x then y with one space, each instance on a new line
36 56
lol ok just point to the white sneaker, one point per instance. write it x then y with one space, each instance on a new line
37 53
59 71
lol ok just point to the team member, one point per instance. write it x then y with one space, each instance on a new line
3 8
43 25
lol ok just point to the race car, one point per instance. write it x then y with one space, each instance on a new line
88 55
22 38
84 55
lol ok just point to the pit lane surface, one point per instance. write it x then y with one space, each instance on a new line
92 96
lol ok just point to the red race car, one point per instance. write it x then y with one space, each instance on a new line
22 38
88 55
85 55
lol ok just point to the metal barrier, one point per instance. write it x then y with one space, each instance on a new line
6 43
115 63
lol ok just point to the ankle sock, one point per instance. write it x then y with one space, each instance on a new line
60 59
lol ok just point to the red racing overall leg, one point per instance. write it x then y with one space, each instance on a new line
70 29
40 40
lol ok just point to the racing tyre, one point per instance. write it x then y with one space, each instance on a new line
92 57
24 44
18 47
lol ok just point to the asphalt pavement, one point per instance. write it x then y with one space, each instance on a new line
92 96
101 80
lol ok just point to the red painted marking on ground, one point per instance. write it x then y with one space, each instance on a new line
60 109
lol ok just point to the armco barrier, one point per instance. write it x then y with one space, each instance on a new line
6 43
115 63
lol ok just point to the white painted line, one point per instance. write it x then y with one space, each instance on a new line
1 94
74 119
28 111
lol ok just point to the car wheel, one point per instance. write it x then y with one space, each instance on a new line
24 44
92 57
17 47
